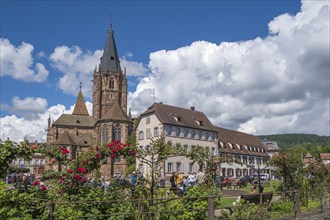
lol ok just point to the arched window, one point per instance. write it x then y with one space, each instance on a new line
105 135
116 132
112 84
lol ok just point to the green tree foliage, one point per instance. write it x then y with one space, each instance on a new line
9 151
290 167
306 141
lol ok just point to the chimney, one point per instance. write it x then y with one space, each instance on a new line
192 108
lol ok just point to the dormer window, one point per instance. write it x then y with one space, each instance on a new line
199 122
112 58
178 118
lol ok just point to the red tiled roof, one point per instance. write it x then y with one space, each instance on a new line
325 156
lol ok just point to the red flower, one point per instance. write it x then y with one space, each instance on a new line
81 170
98 155
77 177
114 150
83 180
43 188
109 145
133 152
84 162
70 171
119 147
35 183
97 148
34 147
61 180
113 156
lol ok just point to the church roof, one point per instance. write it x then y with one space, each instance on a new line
182 117
110 60
116 113
65 139
80 139
74 120
80 107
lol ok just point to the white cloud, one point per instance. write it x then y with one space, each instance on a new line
78 66
28 106
18 63
133 68
17 128
270 85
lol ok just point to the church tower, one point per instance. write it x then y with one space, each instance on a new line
109 81
110 96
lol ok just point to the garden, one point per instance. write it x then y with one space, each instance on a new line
75 192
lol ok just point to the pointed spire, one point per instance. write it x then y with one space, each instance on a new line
80 107
110 60
129 113
49 121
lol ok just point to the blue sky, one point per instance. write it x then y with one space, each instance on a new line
151 38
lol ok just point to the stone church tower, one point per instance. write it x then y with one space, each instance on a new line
110 99
109 120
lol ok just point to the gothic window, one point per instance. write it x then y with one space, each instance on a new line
116 132
105 135
112 84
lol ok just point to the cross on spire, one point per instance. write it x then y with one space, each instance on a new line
80 86
110 21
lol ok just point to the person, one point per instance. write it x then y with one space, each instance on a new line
191 180
107 181
200 177
172 180
178 178
133 178
254 189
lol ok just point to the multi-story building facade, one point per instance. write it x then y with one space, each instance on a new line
242 153
186 127
36 165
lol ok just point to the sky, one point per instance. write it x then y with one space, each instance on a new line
260 67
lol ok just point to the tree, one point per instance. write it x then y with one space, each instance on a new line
153 156
289 166
9 151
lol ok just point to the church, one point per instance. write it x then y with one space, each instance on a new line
109 120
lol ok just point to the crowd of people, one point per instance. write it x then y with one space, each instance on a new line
177 181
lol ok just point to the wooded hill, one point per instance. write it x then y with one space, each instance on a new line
291 140
307 142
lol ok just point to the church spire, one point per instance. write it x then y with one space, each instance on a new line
80 107
110 60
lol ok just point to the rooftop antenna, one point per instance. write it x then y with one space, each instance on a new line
153 93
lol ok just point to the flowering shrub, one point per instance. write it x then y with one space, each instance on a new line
75 177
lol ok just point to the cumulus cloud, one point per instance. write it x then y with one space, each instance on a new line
78 66
18 62
17 128
28 107
262 86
